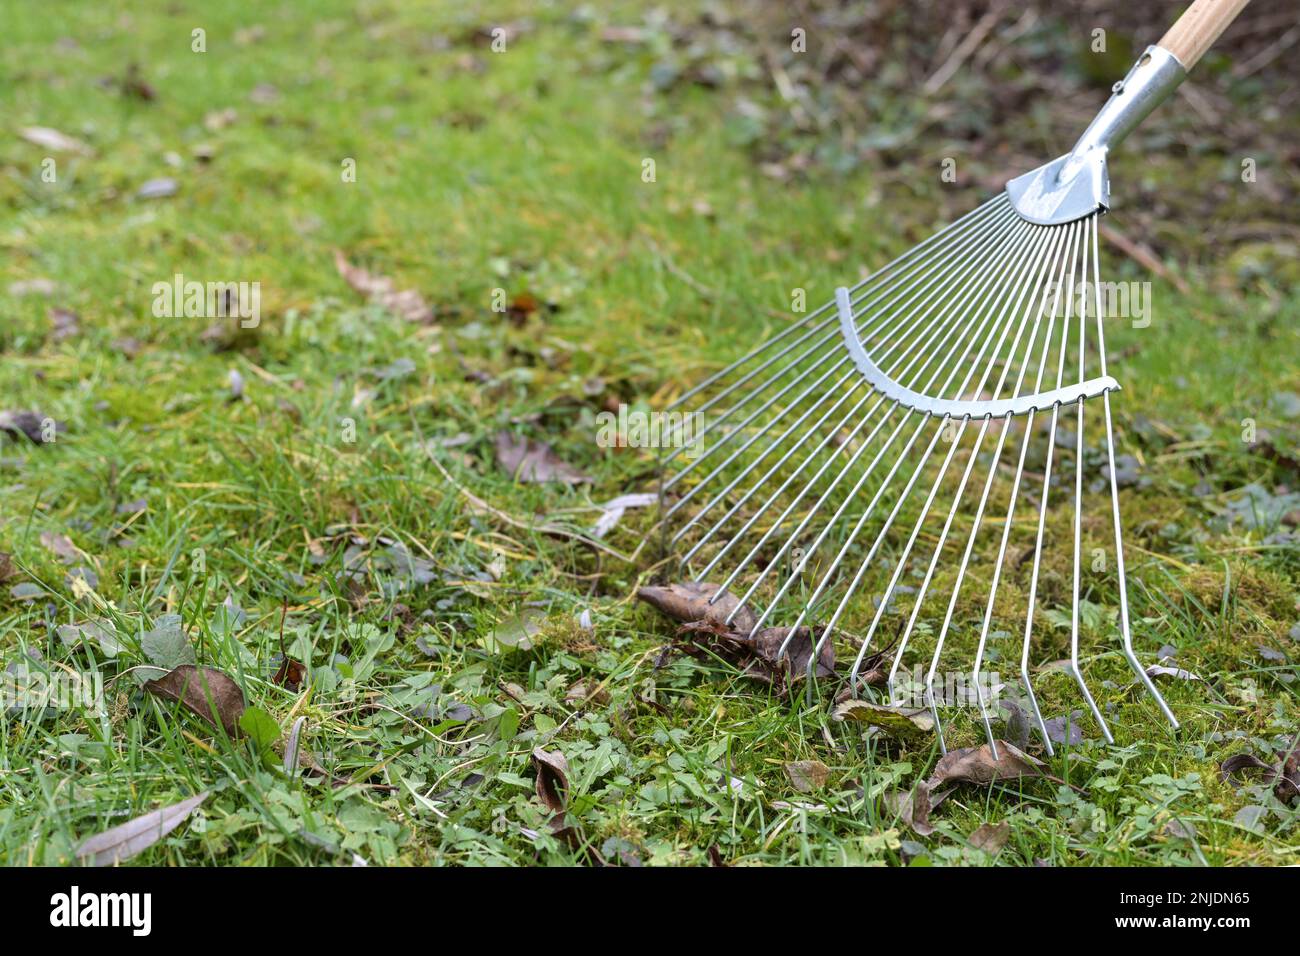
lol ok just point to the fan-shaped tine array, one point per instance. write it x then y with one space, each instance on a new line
860 459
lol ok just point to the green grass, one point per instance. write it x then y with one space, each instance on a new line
519 171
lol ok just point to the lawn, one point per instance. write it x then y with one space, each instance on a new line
457 247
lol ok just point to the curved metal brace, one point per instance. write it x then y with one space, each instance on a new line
1021 405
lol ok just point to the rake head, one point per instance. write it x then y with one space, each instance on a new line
854 473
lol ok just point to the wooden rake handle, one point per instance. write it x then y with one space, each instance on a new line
1199 26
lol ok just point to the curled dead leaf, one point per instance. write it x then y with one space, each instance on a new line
1239 764
913 808
706 628
290 674
552 778
978 765
688 601
1286 775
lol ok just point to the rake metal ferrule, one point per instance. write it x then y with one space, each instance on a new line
939 407
1078 184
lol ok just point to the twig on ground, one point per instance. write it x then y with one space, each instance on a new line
964 49
707 292
1267 55
1143 256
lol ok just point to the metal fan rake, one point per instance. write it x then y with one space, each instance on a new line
856 470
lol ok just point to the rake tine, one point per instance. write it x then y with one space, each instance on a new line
902 497
943 538
949 243
1042 507
772 446
807 487
828 342
1078 500
762 431
943 235
976 671
956 441
852 374
906 492
1025 678
1114 502
991 284
984 496
960 239
844 471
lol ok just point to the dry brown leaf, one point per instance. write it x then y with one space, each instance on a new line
977 765
527 460
705 627
767 645
407 303
807 775
202 690
1286 775
552 778
990 837
521 307
913 808
1238 763
290 674
688 601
